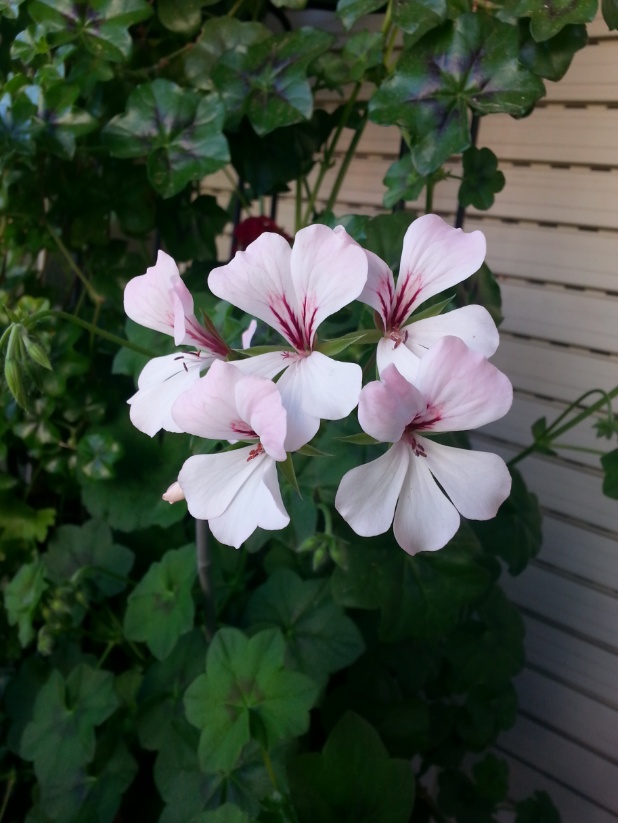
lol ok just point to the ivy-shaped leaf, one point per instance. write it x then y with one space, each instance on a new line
88 551
320 638
350 11
246 693
536 809
268 82
469 62
551 58
60 737
228 813
609 462
22 596
160 609
417 18
481 178
551 16
610 13
353 780
402 181
182 18
178 130
97 453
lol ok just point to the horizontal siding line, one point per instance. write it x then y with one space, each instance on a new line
556 285
567 736
568 630
578 523
526 394
500 747
556 344
584 582
575 687
490 217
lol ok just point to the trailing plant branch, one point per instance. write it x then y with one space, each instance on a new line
204 562
92 293
84 324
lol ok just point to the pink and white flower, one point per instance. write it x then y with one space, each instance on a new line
435 257
294 290
236 491
160 300
455 389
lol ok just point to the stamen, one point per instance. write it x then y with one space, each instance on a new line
255 452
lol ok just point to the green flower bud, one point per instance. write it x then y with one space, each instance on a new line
36 352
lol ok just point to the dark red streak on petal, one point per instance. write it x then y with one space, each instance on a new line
241 428
401 309
291 326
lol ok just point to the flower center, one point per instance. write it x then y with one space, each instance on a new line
416 447
259 449
397 336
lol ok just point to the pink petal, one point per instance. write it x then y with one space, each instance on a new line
386 407
259 403
317 387
174 494
425 520
149 298
161 382
329 270
247 336
266 365
379 291
435 257
476 482
368 494
472 324
208 408
462 389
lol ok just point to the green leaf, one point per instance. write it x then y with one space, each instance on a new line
353 780
22 596
97 453
550 17
552 57
60 737
286 467
459 800
88 551
222 34
182 17
350 11
514 534
19 522
482 289
310 451
228 813
536 809
320 639
469 62
10 8
610 13
609 462
419 596
417 18
481 178
403 182
432 310
246 694
360 439
160 609
190 227
384 236
491 776
268 82
179 130
339 344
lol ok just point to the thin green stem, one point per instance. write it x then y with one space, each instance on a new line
12 779
574 448
94 296
108 649
298 204
269 768
429 196
605 398
5 335
113 338
235 8
328 520
330 150
243 200
390 45
343 170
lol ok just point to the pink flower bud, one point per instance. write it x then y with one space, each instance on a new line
174 493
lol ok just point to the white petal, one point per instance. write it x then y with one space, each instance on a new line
472 324
435 256
329 270
379 290
386 406
389 353
149 298
247 336
265 365
425 520
161 382
462 389
367 495
259 404
316 387
211 481
477 482
258 504
258 281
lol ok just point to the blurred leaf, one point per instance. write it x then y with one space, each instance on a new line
246 694
551 16
384 236
160 609
403 182
551 58
180 16
88 551
482 289
190 227
350 11
460 801
353 780
491 776
22 596
469 62
481 178
320 639
418 18
228 813
610 13
20 522
536 809
97 454
60 737
179 131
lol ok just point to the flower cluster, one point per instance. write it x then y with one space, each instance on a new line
434 377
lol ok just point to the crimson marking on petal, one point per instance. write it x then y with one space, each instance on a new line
242 428
401 308
386 306
203 339
416 447
308 321
291 327
255 452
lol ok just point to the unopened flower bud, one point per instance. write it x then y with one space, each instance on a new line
36 352
174 494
